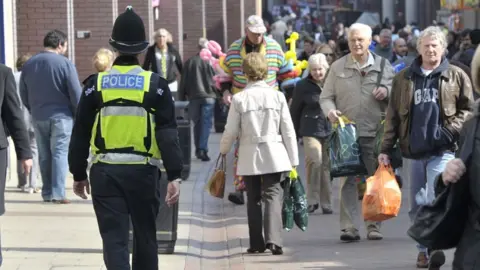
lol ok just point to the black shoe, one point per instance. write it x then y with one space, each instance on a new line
349 236
327 210
255 250
276 250
312 208
436 260
197 153
202 155
236 198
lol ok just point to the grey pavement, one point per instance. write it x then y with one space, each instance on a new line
212 234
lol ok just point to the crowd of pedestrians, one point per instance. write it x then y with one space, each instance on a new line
410 83
415 85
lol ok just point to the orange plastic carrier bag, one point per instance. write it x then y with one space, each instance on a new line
383 198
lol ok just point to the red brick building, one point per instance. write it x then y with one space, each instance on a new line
183 18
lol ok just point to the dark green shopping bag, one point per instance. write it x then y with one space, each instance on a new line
300 205
287 207
344 150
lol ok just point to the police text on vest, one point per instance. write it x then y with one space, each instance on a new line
123 81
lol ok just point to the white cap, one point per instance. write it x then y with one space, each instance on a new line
255 24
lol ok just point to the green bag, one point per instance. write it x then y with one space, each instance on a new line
300 205
395 155
345 155
287 207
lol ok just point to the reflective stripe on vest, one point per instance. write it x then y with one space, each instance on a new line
124 131
124 111
119 158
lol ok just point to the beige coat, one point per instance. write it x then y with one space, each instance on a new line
346 90
260 118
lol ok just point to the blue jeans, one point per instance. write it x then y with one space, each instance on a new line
200 112
53 139
422 174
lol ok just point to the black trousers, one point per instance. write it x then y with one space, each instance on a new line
121 192
3 179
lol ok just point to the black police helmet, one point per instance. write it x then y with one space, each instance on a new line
128 34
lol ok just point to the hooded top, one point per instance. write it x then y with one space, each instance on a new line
428 136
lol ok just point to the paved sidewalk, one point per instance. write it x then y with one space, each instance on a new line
212 235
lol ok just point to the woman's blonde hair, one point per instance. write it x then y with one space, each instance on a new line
163 32
255 67
103 59
22 60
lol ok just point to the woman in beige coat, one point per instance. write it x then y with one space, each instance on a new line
260 118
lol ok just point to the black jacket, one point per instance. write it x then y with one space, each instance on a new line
308 118
165 124
197 80
174 64
467 192
12 124
12 116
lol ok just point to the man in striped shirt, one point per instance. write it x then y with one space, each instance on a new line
278 69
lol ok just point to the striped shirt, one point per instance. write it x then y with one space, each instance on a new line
277 65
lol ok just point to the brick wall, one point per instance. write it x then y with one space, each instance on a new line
192 26
233 21
100 27
168 19
214 21
36 18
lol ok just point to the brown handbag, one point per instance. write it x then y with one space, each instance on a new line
216 184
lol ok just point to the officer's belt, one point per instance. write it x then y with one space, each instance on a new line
124 158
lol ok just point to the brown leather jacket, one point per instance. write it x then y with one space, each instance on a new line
456 99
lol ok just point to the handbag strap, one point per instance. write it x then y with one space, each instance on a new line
223 164
383 105
382 69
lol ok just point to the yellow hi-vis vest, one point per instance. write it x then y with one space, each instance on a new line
124 129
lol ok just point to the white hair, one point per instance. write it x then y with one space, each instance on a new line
318 59
433 32
362 28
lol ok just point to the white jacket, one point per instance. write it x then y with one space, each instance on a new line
260 118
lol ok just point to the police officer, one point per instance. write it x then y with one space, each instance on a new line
126 116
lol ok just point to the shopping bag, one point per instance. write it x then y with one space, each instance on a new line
345 156
383 198
300 205
287 207
395 155
216 185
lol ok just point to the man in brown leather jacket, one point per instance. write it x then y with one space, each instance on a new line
429 103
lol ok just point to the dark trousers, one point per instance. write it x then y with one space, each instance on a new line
121 193
264 187
200 112
3 179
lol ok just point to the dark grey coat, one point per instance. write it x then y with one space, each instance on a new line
12 124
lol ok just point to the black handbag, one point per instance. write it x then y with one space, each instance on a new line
440 225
